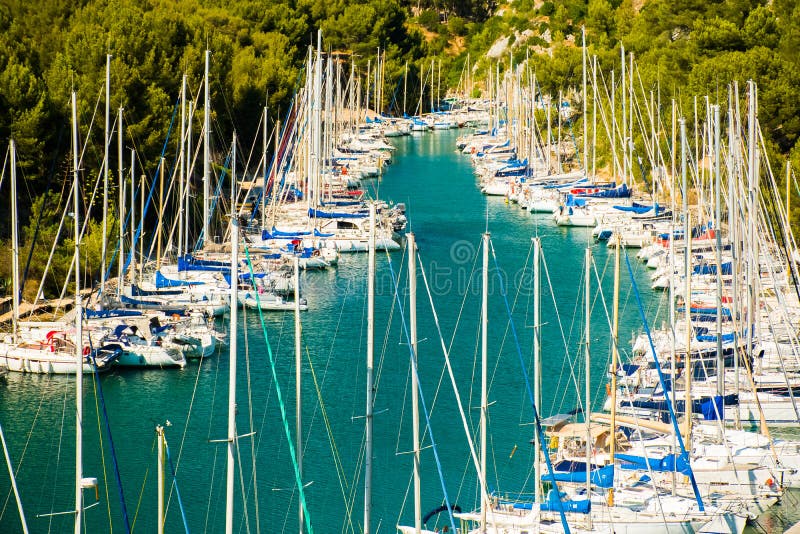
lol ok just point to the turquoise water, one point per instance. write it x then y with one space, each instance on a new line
448 216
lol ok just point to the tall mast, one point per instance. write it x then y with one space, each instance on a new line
159 230
587 407
234 327
370 364
405 87
206 151
614 361
264 168
298 383
13 481
585 107
432 62
160 459
412 319
189 167
537 356
104 245
623 122
78 326
718 235
132 269
121 194
687 236
484 375
183 157
14 243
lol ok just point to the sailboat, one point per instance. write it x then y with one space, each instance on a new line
54 351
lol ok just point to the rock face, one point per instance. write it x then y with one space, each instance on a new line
498 48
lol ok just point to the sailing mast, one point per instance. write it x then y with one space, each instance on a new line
298 382
585 118
104 245
13 479
484 374
717 231
233 347
370 363
121 194
687 237
587 407
614 361
264 168
183 158
412 319
206 150
14 244
78 329
537 356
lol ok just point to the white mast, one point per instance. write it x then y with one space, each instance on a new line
405 87
264 168
232 344
13 481
370 363
189 167
587 407
623 122
615 360
412 319
132 269
537 357
160 455
687 297
718 235
484 373
183 156
104 246
585 108
298 382
78 329
206 152
14 243
121 194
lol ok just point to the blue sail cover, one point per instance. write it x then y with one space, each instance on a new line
137 291
243 277
163 281
189 263
317 233
727 269
281 233
641 208
105 314
335 215
714 409
618 192
602 477
669 463
553 503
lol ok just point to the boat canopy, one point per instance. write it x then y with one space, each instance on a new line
163 281
335 215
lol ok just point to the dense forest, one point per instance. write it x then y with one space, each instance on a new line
50 47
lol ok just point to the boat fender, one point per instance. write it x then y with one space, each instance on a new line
86 351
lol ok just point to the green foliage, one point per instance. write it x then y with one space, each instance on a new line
547 9
429 19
